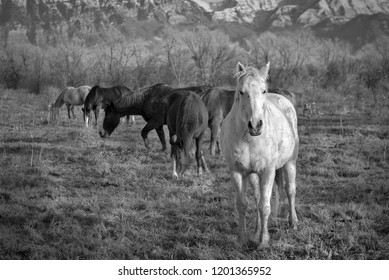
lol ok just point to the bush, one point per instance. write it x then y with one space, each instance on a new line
13 65
335 75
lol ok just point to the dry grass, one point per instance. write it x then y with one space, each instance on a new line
67 194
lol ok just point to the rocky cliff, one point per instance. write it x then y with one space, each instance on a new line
147 17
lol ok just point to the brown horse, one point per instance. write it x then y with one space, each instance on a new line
187 120
219 103
150 102
260 144
71 97
290 95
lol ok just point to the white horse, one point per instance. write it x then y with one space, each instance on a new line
260 144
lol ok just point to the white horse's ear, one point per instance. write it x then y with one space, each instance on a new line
174 138
264 72
239 67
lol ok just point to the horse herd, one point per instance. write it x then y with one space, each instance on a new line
255 130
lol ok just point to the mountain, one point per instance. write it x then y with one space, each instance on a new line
358 21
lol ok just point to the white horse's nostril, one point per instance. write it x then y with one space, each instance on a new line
260 124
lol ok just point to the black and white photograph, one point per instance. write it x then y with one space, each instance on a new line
194 130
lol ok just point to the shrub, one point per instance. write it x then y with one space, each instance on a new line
13 65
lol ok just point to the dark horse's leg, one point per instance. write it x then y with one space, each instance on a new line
68 107
97 111
212 142
201 165
158 126
219 128
72 108
161 135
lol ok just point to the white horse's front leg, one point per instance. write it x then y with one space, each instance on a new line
267 180
241 205
254 181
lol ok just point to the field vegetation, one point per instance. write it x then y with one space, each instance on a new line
65 193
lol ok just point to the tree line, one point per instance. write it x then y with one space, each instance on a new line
300 62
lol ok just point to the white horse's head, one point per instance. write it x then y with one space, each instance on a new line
250 91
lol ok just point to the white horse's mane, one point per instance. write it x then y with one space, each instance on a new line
251 71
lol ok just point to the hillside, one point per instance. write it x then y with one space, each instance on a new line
57 19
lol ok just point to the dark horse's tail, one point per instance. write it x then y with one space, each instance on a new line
191 122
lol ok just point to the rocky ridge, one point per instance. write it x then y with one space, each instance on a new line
257 15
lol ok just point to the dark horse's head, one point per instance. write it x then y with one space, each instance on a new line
111 121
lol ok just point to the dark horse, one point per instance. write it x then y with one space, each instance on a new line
150 102
187 119
99 98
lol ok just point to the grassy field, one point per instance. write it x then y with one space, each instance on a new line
65 193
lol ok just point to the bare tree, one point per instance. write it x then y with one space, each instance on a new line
294 48
68 64
262 50
114 60
7 8
177 60
332 50
37 70
32 19
211 51
141 71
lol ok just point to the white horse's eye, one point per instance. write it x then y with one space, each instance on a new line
241 92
